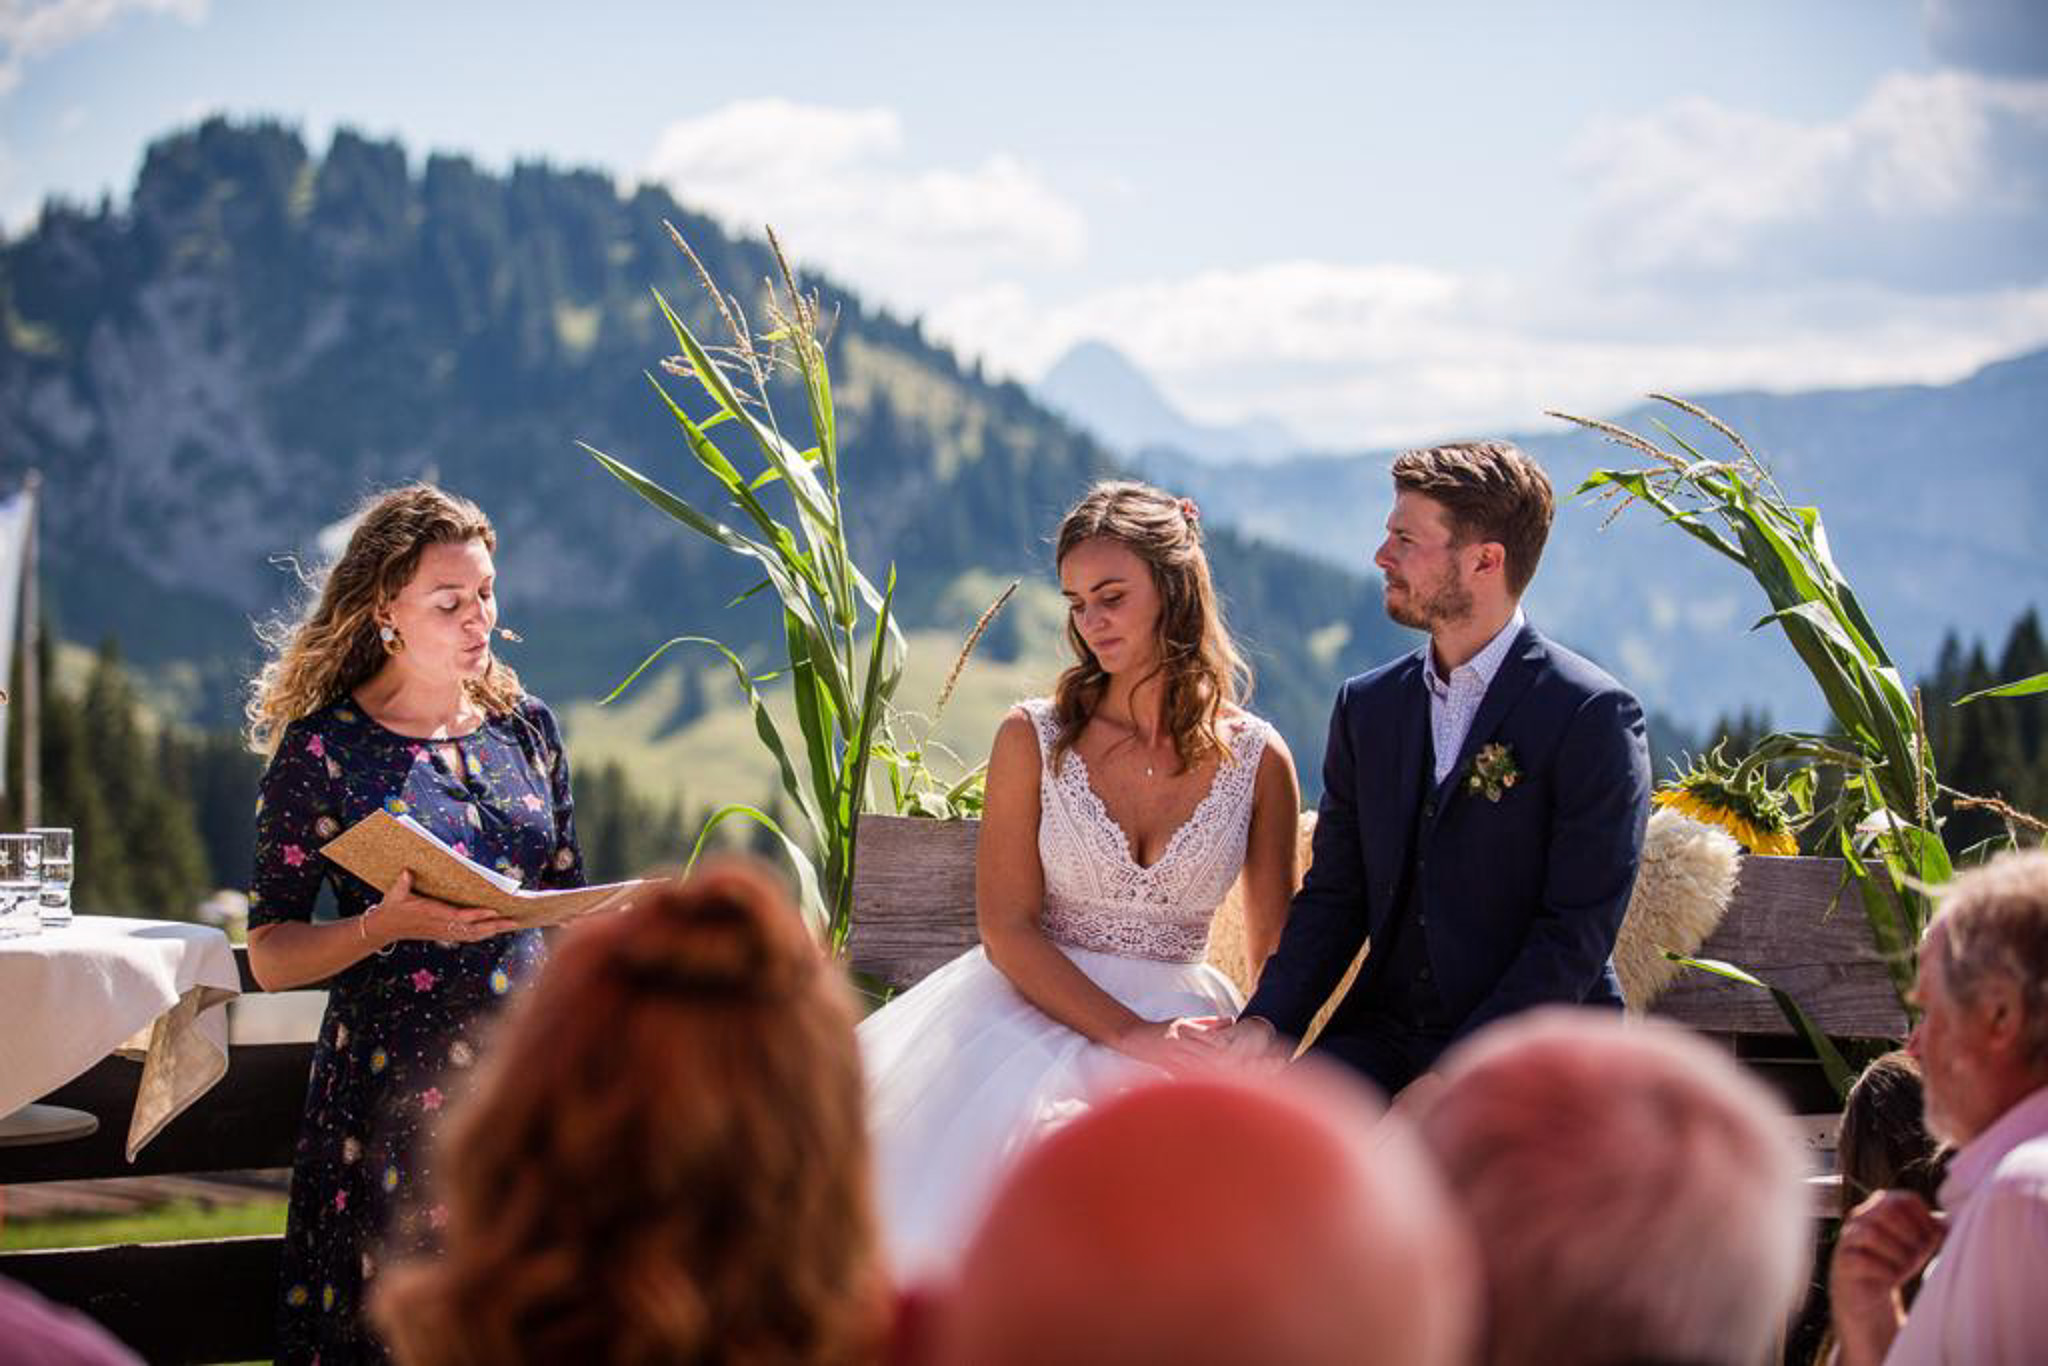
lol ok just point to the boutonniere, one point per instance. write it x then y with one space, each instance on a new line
1493 771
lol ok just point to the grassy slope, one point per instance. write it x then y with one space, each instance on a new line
717 757
177 1221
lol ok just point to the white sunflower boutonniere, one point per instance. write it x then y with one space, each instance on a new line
1493 771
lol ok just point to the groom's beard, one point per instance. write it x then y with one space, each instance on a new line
1443 603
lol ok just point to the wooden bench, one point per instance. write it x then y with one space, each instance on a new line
1790 923
215 1300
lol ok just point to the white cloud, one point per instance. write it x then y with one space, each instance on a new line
843 190
1906 242
1936 181
33 29
1721 249
1371 355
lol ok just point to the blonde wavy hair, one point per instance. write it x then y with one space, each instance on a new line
1202 671
334 648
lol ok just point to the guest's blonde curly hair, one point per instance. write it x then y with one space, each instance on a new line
334 648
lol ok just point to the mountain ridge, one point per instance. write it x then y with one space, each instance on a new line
1099 386
1928 493
212 372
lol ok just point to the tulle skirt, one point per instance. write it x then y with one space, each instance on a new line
963 1073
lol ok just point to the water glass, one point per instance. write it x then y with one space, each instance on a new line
21 885
55 898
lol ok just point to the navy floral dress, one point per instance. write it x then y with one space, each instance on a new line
402 1024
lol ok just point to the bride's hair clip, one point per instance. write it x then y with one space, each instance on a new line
1189 511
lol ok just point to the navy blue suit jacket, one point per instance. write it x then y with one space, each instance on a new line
1520 899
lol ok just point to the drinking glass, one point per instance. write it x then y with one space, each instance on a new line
55 898
21 885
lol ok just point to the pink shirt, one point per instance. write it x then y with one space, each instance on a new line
1984 1301
34 1332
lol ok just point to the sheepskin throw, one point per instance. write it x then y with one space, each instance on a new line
1682 888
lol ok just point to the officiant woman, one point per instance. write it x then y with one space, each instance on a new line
387 694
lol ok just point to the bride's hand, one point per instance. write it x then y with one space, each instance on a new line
1177 1045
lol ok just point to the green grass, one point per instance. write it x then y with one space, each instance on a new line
177 1221
717 758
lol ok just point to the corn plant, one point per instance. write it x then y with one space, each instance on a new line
841 686
1885 808
915 787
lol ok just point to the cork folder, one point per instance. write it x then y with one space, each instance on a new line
380 846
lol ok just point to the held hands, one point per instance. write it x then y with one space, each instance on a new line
1177 1046
1884 1243
404 914
1249 1042
1203 1042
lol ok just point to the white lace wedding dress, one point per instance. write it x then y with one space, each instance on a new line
963 1071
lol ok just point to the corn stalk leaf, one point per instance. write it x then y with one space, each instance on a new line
809 899
1839 1074
2024 687
881 685
817 714
764 722
1637 482
810 496
773 565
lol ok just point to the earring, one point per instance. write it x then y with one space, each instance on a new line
393 642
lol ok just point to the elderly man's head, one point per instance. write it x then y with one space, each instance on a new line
1218 1220
1635 1195
1982 1040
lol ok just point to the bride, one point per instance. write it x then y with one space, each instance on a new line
1119 812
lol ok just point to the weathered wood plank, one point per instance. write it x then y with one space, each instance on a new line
249 1120
170 1302
913 896
1788 925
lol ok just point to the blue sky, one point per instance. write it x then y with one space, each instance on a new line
1375 222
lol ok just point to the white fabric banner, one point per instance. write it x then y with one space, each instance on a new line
15 512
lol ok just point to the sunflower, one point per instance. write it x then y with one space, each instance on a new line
1717 792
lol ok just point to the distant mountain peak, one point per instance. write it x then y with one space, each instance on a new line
1102 389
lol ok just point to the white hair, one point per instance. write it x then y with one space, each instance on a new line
1635 1195
1994 923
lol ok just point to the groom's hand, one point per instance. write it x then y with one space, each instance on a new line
1250 1042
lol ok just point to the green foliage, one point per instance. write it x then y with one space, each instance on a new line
131 793
622 833
841 687
1884 809
1996 749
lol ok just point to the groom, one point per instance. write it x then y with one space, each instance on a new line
1483 798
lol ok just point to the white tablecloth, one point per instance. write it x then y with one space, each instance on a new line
149 989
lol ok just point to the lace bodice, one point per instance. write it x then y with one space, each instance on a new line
1097 896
